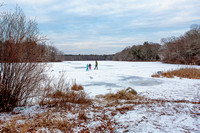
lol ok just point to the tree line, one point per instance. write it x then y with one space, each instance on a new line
87 57
184 49
146 52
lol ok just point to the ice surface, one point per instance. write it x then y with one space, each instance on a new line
114 75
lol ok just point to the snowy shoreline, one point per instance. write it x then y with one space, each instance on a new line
174 106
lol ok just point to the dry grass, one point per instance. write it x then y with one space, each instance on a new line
37 122
155 75
54 121
126 94
191 73
59 94
76 87
63 99
82 115
102 113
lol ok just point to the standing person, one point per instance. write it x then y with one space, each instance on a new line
96 65
90 66
87 67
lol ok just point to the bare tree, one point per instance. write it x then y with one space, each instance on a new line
20 74
184 49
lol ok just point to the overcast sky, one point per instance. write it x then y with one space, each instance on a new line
108 26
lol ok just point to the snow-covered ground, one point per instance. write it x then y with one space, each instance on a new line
162 116
112 76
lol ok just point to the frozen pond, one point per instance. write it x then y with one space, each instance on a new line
112 76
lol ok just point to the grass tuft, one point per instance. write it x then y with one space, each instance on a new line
125 94
59 94
190 73
62 99
76 87
82 115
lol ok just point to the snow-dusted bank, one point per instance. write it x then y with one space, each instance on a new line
175 108
112 76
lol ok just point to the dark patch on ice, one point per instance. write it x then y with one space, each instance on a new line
102 84
68 62
80 67
108 65
140 81
64 71
91 77
146 82
125 78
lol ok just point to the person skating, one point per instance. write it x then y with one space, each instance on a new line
96 65
90 66
87 67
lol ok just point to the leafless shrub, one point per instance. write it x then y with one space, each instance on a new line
20 74
21 48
